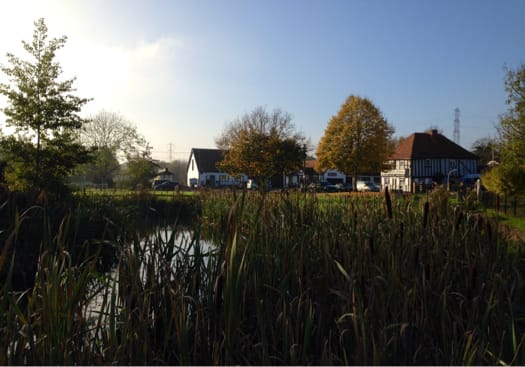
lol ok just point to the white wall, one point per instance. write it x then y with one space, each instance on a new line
193 173
217 178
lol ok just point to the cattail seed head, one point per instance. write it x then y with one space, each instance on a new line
388 203
425 214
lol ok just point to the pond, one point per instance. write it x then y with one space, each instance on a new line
164 255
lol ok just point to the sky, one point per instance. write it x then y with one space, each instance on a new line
180 70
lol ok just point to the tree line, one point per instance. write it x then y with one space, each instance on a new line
51 142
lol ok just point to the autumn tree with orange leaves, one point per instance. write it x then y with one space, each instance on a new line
356 140
262 144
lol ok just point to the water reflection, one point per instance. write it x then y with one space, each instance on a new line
180 248
159 257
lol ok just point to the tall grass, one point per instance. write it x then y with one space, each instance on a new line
290 279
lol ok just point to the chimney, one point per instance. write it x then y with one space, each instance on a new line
433 132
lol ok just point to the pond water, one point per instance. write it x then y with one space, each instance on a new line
179 249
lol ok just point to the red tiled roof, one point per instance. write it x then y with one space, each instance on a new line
310 163
430 145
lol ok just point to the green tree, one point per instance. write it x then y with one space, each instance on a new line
140 170
44 114
504 180
512 124
112 138
262 144
486 149
101 170
508 178
356 140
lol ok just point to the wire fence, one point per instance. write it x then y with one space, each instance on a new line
514 205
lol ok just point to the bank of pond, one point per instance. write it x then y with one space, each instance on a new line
242 278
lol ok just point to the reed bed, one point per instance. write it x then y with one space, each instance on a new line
287 279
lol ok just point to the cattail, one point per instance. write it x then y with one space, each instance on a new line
489 229
218 288
371 245
196 282
472 279
388 203
480 222
425 214
459 218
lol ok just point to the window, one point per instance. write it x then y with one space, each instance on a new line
193 164
223 178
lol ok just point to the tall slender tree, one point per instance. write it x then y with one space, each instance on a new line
44 114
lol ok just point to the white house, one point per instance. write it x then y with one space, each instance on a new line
426 158
202 170
164 174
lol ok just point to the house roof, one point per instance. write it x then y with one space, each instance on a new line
164 171
309 167
430 145
207 159
310 163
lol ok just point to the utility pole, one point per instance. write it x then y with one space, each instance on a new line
170 151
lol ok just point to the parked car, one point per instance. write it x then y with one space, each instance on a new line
251 185
314 187
330 188
165 185
366 186
344 187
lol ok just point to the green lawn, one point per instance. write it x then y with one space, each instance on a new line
126 192
514 222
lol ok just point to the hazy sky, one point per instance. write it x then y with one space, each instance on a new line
180 70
